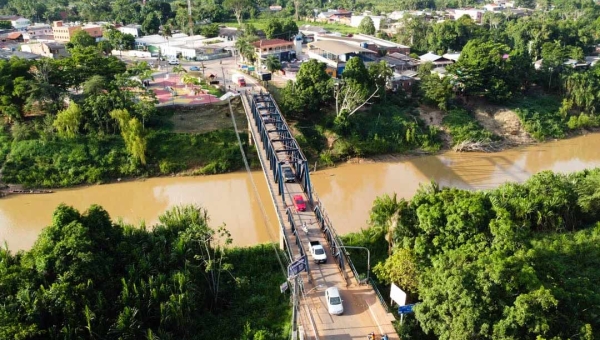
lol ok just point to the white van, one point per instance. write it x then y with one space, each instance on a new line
173 61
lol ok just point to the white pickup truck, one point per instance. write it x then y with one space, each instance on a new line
318 252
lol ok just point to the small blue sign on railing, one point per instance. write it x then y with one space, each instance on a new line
297 266
405 309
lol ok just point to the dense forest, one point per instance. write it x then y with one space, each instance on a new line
517 262
87 277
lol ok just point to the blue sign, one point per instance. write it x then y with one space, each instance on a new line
297 266
405 309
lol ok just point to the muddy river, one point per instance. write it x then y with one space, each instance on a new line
347 191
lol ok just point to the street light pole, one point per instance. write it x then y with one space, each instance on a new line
368 257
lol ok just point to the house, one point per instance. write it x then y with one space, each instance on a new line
475 14
494 8
16 21
229 33
435 59
366 41
14 37
8 54
452 56
312 30
281 49
46 49
63 32
403 80
335 16
401 62
94 30
39 31
335 54
355 20
132 29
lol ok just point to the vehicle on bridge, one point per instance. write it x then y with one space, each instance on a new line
238 79
334 301
318 252
288 174
299 203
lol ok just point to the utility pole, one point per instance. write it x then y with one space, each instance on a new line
190 21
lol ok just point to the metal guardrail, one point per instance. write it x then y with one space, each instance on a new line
337 238
379 296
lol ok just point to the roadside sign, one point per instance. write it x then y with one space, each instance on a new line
283 287
297 266
405 309
398 295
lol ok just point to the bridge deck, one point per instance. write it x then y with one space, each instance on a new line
363 313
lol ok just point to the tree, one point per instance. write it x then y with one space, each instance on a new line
289 29
274 28
239 8
367 26
273 64
400 269
151 23
68 121
433 89
311 91
82 38
119 40
133 134
4 24
210 30
245 48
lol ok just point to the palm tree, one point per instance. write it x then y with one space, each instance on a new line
246 49
273 64
384 216
179 70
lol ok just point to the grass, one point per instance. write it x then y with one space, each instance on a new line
261 24
206 118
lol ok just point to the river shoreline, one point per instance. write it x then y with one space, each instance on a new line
7 189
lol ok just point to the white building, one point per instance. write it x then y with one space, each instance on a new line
495 8
16 21
475 14
396 15
132 29
377 20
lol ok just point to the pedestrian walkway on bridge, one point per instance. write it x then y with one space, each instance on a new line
364 310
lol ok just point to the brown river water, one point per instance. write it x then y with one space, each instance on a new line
347 191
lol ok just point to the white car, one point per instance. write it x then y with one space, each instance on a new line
334 301
173 62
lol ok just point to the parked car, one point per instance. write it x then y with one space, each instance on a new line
194 68
288 174
299 203
334 301
173 62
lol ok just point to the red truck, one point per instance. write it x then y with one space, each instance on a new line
238 79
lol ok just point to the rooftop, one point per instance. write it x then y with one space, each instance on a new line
430 57
338 47
271 42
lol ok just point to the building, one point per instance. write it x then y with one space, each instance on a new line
400 62
335 54
229 33
355 20
282 49
452 56
63 32
39 31
181 45
335 16
94 30
150 43
475 14
8 54
14 37
494 8
46 49
366 41
16 21
435 59
132 29
275 8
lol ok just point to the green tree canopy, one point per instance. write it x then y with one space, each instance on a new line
367 26
313 88
82 39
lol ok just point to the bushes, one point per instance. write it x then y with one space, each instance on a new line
464 128
583 121
541 117
90 160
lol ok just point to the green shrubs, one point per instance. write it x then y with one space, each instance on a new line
541 117
464 128
583 121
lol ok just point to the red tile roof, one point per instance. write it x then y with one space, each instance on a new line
271 42
13 35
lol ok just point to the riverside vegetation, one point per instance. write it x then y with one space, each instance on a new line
88 119
517 262
88 277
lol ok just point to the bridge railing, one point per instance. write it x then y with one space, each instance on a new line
379 296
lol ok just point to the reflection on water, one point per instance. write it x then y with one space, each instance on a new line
347 191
